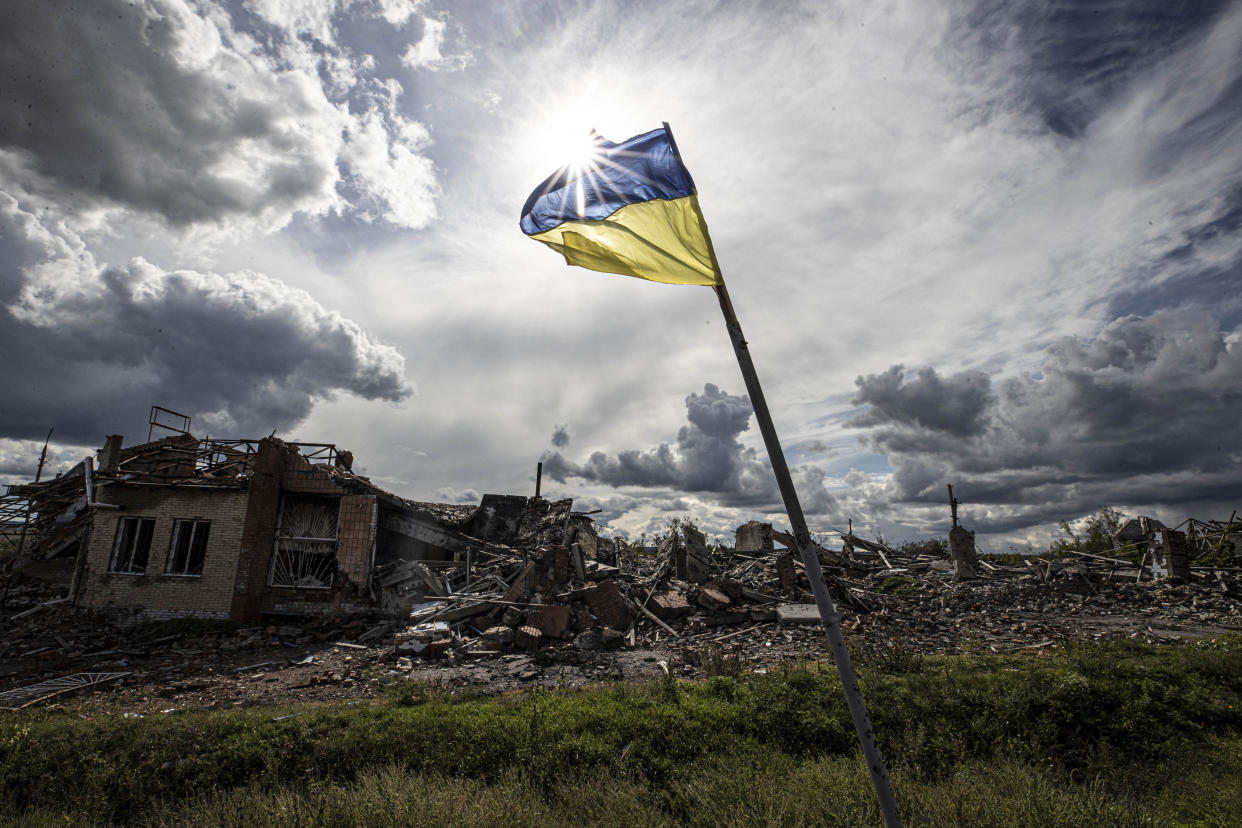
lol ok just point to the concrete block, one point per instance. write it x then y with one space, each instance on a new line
798 614
754 537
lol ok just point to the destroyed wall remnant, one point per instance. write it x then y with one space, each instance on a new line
693 558
110 455
241 528
1136 531
159 592
359 517
258 536
754 537
498 518
270 550
1167 548
962 550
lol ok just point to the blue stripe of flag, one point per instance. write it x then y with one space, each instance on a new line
638 169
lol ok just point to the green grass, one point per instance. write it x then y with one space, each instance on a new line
1105 734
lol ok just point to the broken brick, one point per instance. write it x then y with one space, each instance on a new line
552 621
608 604
669 605
786 573
527 637
712 598
560 564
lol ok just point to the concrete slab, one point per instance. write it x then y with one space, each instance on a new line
797 614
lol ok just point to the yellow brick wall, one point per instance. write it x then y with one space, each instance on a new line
209 595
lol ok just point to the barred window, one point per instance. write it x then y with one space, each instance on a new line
305 554
133 544
189 547
304 564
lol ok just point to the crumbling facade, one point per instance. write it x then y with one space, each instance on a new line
241 529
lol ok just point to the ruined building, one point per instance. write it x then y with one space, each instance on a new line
235 529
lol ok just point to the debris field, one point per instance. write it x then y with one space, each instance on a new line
548 614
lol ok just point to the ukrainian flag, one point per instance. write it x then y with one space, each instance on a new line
630 209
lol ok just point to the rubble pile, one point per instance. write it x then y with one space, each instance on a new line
557 600
555 604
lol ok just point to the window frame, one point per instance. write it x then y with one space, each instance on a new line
133 542
299 557
200 534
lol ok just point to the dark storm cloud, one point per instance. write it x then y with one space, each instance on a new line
1073 57
90 347
1145 413
118 102
1201 273
954 405
560 435
707 457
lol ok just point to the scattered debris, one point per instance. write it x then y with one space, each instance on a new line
370 588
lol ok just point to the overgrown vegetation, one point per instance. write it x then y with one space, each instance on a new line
1100 734
1096 537
936 547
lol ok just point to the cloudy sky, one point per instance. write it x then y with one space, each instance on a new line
982 243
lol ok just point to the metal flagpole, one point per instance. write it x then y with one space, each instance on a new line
810 559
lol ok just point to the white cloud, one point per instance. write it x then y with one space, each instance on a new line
395 182
428 51
319 18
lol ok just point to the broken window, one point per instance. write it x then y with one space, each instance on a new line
133 544
305 555
189 547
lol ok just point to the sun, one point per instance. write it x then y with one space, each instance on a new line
578 149
567 131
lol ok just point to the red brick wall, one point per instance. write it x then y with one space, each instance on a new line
259 533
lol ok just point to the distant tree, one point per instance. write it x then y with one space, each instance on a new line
1096 537
937 547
